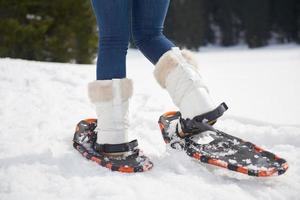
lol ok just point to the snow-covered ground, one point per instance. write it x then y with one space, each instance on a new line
40 104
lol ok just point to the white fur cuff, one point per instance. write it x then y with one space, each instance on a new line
169 61
102 90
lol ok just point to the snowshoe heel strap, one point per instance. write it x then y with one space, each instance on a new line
116 148
210 117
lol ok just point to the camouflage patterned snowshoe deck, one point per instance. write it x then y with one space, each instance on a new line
111 156
202 142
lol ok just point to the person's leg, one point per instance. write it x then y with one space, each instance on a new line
113 24
111 91
110 94
147 27
175 70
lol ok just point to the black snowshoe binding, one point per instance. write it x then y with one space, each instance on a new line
202 142
125 157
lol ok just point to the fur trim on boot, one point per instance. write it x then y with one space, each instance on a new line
178 72
101 90
169 61
111 100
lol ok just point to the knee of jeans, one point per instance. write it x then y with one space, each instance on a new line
113 41
140 36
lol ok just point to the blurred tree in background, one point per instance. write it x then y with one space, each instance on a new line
194 23
256 18
58 31
188 23
285 15
65 30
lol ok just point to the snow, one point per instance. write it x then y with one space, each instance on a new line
42 102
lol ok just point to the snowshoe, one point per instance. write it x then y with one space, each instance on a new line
202 142
125 157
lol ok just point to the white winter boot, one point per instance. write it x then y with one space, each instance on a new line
111 99
109 146
177 72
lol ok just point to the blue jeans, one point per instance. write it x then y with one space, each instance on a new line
116 19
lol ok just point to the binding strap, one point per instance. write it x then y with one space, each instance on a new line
191 127
116 148
202 122
212 115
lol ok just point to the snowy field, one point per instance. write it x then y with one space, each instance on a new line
40 104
